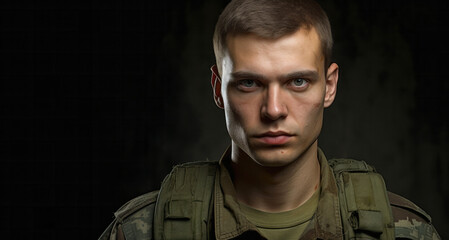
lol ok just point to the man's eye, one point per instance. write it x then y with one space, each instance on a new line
247 83
299 82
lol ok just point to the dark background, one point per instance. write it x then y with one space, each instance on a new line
99 100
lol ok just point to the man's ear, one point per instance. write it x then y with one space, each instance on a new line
216 86
331 84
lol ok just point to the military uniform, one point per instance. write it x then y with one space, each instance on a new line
134 220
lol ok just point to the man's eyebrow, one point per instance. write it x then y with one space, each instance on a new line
312 74
246 75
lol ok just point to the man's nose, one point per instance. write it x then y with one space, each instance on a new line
274 107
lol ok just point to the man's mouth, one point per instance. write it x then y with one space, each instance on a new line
274 137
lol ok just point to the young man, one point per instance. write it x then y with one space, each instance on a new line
273 78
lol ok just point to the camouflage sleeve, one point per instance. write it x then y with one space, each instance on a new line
134 220
108 232
411 222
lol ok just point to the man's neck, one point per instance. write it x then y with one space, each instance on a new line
276 189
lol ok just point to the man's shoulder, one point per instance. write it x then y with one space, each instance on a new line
410 220
134 218
148 200
358 180
136 205
405 208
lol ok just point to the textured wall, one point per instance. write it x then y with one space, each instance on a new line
98 101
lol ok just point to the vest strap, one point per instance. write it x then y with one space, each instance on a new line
182 210
364 204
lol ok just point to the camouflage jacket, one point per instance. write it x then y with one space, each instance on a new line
134 220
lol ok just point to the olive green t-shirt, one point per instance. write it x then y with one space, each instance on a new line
283 225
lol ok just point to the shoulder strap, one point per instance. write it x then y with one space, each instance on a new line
364 203
183 208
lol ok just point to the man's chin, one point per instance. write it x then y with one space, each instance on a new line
273 159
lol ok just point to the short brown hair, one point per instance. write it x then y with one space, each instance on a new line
271 19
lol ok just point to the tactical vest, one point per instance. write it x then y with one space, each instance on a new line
184 207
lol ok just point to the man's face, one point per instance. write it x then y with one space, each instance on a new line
273 93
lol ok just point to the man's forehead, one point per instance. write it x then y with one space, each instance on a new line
306 32
302 48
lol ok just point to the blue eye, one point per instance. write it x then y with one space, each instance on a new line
299 82
248 83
